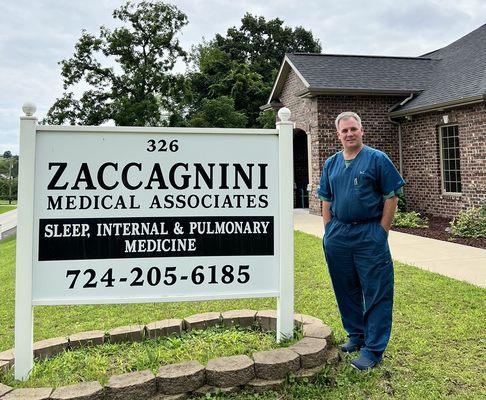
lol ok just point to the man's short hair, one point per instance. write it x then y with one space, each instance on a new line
346 115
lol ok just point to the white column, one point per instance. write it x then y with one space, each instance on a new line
285 306
25 218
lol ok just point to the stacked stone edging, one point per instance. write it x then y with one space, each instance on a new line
265 370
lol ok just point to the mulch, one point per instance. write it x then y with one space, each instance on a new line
437 230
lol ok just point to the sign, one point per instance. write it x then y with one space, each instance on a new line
167 215
136 214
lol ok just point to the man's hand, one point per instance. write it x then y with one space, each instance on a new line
389 209
326 212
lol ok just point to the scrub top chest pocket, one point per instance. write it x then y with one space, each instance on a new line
364 185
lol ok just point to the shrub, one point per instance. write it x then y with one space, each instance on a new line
410 219
470 223
402 203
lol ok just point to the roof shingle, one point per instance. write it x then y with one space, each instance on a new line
454 73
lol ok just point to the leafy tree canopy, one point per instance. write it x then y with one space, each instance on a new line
244 63
262 44
219 113
140 90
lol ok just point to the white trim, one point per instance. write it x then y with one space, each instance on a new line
285 302
25 251
279 76
133 129
299 74
441 161
277 79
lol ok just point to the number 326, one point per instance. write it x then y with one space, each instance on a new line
162 145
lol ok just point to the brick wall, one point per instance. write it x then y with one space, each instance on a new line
304 114
421 160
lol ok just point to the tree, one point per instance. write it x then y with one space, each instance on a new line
140 90
262 44
219 113
267 119
244 63
9 166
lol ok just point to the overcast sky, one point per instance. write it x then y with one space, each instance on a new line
35 35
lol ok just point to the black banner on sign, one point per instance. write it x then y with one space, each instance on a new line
102 238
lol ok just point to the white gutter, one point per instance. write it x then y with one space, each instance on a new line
400 148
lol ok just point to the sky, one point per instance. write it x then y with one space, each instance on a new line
36 35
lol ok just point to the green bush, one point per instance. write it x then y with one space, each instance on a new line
402 203
470 223
410 219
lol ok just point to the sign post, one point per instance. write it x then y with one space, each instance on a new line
24 251
138 214
285 304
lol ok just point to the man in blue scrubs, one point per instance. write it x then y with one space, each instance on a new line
359 188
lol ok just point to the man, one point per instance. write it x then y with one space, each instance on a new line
358 188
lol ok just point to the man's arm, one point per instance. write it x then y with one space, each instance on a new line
389 209
326 212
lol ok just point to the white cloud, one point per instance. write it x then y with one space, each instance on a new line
35 35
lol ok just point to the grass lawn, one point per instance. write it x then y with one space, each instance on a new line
6 207
437 350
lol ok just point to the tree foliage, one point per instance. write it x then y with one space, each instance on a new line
267 119
140 90
244 63
9 170
219 113
262 44
126 74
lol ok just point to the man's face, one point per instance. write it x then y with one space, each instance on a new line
350 134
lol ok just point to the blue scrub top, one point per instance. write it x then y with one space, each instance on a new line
356 192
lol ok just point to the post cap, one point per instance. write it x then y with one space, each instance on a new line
29 109
284 114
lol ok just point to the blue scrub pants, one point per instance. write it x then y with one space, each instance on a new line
361 270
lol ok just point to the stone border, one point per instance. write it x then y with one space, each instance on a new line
265 370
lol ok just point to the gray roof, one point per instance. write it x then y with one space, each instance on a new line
460 73
449 76
394 74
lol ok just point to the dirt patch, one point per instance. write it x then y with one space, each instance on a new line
437 230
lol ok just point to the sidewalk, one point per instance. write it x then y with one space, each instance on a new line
8 221
457 261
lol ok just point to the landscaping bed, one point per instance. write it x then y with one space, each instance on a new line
166 358
437 230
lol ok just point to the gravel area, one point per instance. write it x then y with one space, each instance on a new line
437 230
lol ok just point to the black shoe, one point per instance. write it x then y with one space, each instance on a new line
350 347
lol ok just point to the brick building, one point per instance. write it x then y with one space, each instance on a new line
428 113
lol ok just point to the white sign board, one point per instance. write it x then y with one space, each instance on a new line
130 217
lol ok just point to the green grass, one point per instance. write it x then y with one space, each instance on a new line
437 349
6 207
101 362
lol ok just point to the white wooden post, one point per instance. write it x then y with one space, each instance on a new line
25 218
285 305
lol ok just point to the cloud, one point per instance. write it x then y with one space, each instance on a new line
36 35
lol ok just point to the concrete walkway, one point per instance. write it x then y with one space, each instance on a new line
457 261
8 221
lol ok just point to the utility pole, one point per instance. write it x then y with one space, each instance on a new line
10 181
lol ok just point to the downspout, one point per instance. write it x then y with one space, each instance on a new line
400 153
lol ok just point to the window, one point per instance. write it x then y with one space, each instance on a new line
450 159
